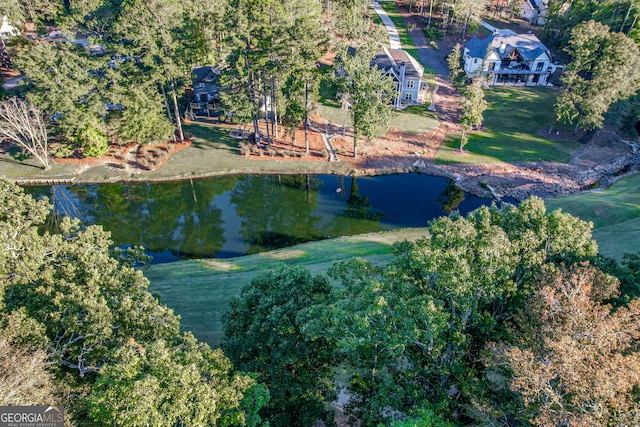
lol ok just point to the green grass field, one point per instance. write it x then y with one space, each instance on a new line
200 290
511 130
615 213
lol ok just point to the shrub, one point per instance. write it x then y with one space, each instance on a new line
63 150
433 44
433 34
245 149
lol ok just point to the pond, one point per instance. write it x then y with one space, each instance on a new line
231 216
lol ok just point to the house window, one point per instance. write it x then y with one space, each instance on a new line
496 66
539 66
475 60
410 83
200 85
408 96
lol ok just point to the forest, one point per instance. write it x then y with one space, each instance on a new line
126 81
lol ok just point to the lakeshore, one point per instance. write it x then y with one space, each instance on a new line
600 159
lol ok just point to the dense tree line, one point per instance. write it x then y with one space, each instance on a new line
266 50
499 318
79 328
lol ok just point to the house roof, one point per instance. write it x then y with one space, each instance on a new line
504 42
205 74
539 4
388 60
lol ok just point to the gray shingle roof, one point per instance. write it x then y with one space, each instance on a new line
528 45
205 74
392 58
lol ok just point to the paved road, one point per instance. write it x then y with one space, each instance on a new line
394 38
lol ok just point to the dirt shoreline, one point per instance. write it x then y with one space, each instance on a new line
604 159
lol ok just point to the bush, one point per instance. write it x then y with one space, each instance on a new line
433 34
94 142
245 149
63 150
272 152
433 44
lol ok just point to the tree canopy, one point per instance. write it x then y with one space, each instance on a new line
107 340
456 330
605 69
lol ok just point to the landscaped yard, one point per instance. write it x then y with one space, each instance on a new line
615 213
512 130
215 282
412 120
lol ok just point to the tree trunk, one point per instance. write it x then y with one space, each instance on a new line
274 107
633 24
626 16
166 104
266 112
252 99
355 143
306 116
466 23
177 111
430 13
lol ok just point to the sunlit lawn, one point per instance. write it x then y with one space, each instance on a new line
615 213
200 290
511 130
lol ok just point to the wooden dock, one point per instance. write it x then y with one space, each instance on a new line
33 182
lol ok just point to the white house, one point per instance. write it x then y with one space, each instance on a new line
508 58
535 11
406 73
8 30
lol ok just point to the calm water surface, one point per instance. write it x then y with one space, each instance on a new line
236 215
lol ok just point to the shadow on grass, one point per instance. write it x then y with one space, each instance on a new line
16 156
207 136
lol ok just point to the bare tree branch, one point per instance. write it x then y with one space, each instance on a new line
23 124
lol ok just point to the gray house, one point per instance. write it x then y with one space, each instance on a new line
406 73
535 11
508 58
206 87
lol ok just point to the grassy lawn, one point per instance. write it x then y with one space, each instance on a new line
415 119
405 38
200 290
214 152
615 213
511 131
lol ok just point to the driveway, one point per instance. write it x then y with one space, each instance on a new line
432 58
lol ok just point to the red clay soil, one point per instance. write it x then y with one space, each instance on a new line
132 156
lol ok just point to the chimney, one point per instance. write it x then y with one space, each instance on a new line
503 46
403 67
